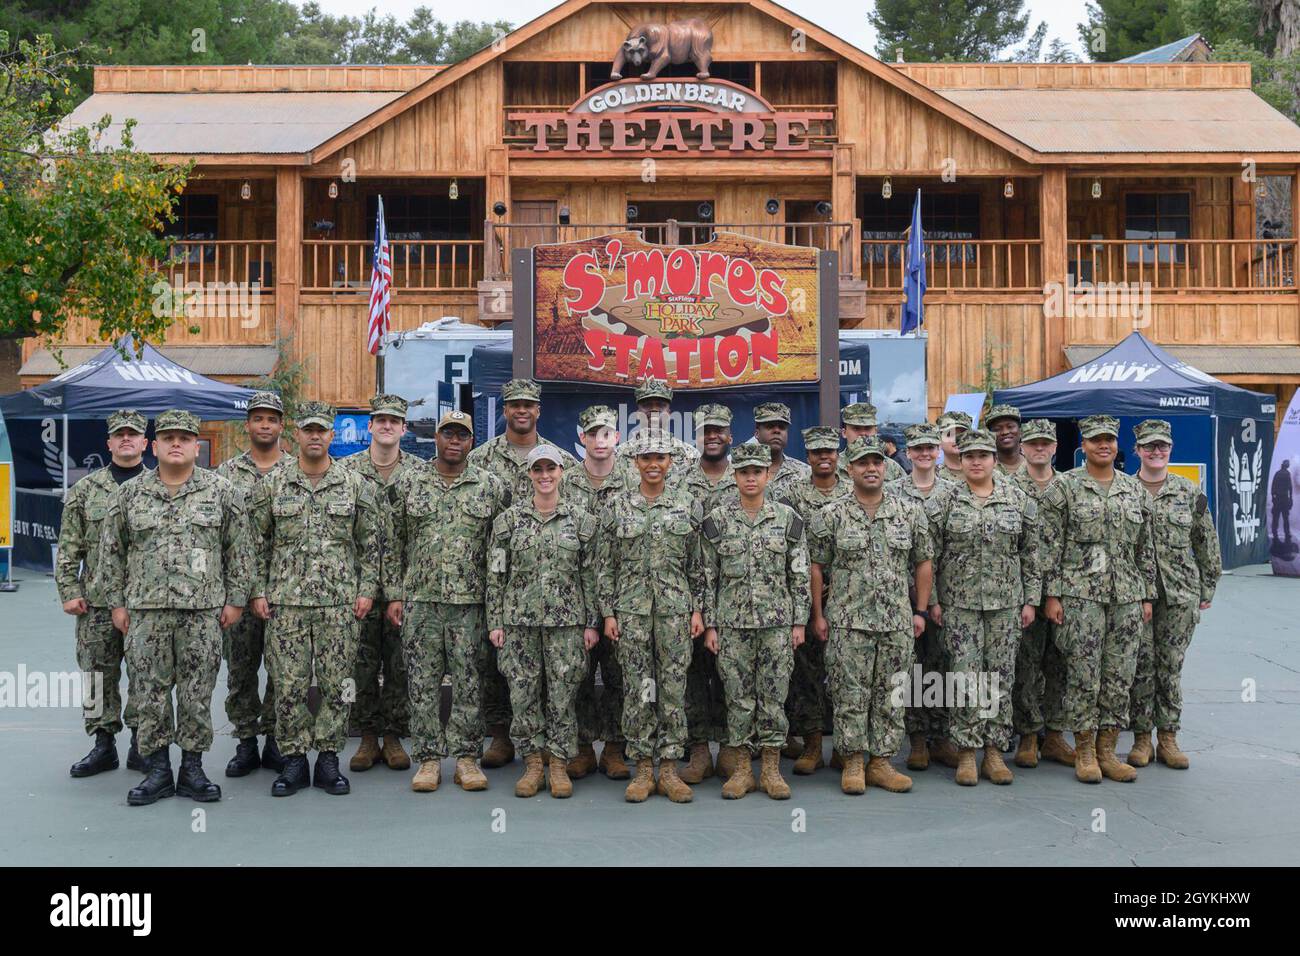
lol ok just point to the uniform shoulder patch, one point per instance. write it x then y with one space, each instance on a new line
1031 508
711 529
586 525
1201 504
501 523
794 530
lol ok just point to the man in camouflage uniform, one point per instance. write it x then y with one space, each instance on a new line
249 712
174 567
712 473
100 650
435 584
1004 422
591 485
316 526
772 428
1040 671
651 590
381 704
985 536
952 425
874 548
1188 567
653 404
756 568
1099 579
543 617
505 457
859 421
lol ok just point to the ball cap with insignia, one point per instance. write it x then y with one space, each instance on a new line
653 388
176 420
861 447
1001 411
1038 429
751 454
1153 430
651 441
772 412
393 405
713 414
977 439
1095 425
954 420
862 414
820 437
921 434
127 418
597 416
521 390
543 452
268 400
315 413
458 418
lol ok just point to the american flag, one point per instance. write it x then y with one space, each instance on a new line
381 281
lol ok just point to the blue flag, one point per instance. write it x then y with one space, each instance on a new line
914 274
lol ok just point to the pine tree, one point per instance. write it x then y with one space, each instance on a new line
957 30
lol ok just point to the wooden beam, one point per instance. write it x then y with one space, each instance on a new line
1052 224
288 248
844 205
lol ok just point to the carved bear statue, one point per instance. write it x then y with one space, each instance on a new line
653 46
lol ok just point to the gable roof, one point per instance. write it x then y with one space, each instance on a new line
1170 52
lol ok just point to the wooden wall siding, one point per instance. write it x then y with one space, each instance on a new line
252 218
800 82
449 132
1214 206
1079 76
1256 320
548 83
260 79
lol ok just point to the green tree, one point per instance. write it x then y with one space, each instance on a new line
957 30
1116 29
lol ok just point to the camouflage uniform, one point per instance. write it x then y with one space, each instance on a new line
319 552
946 421
440 531
1005 411
173 562
683 453
1099 559
986 571
870 563
863 415
757 589
1188 567
541 590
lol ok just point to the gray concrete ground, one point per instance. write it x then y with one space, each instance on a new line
1236 806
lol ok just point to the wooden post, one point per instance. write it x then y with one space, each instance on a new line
1052 201
498 190
288 248
844 201
1295 228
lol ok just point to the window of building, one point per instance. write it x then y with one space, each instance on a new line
1155 216
196 221
952 216
651 215
429 217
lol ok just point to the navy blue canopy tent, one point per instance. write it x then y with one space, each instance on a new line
1223 435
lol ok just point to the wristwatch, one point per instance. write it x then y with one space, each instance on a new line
922 613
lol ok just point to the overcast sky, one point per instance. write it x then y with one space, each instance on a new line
846 19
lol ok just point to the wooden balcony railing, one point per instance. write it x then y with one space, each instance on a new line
991 265
250 261
1187 265
424 265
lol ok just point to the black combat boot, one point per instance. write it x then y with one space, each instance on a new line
102 756
245 760
192 782
157 783
272 759
133 759
327 776
293 777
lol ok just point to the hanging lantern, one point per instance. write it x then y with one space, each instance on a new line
453 192
245 190
334 190
1009 188
1096 188
886 189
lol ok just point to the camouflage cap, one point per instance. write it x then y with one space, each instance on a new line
977 439
862 414
521 390
751 454
651 441
456 417
954 420
1153 430
176 420
820 437
1038 429
315 413
266 400
393 405
597 416
772 412
544 452
127 418
1095 425
922 434
1001 411
861 447
719 415
653 388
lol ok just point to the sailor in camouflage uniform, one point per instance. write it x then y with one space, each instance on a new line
952 425
985 536
100 648
248 710
1099 579
543 617
654 404
1188 567
756 568
317 530
380 673
772 428
505 456
1003 421
875 549
859 421
174 567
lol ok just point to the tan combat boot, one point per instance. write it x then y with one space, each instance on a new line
811 759
1027 752
1140 753
881 773
1055 747
944 751
993 767
1169 753
1111 766
853 778
468 775
394 754
728 758
428 777
918 758
643 784
700 764
671 785
770 780
1085 756
561 785
531 781
613 764
367 754
740 782
584 763
967 774
792 750
501 751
